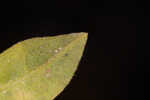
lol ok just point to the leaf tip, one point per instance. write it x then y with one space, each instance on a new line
84 35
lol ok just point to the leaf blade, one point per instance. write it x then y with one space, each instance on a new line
50 74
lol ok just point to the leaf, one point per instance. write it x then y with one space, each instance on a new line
40 68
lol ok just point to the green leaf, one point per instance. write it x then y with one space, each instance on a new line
40 68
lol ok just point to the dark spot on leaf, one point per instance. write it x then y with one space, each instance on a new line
66 54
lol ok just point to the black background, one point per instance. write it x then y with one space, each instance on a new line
112 67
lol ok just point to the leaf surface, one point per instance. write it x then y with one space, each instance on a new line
40 68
